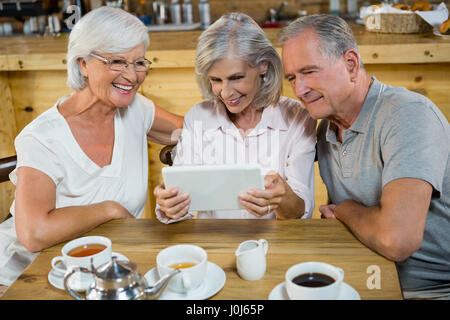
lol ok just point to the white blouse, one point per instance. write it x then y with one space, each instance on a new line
283 141
48 145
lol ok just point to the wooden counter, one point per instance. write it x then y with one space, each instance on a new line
33 77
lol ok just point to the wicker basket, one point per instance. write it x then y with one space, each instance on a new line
396 23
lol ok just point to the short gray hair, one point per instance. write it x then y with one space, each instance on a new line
106 30
239 33
335 35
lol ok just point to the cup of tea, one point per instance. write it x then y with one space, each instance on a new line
314 281
78 254
190 259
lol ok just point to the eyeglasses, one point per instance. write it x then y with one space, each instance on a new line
117 64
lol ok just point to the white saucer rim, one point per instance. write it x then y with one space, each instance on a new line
282 285
53 274
197 296
56 284
438 33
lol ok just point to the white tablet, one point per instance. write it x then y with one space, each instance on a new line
214 187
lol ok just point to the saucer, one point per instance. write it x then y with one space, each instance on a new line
213 283
56 279
436 32
346 293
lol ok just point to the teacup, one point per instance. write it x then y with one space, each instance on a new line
69 260
190 259
314 281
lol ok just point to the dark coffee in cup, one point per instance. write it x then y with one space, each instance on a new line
313 280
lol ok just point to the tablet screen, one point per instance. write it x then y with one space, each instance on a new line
214 187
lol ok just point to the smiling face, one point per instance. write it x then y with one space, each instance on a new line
235 83
114 88
322 84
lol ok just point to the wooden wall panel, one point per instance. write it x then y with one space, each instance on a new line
34 92
7 134
431 80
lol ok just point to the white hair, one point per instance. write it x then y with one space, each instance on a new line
240 34
105 30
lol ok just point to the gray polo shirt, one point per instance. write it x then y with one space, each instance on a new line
397 134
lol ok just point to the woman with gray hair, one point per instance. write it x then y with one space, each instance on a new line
244 120
84 161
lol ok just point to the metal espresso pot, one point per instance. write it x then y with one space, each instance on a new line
118 280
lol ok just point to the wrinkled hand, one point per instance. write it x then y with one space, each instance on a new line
173 205
257 201
327 211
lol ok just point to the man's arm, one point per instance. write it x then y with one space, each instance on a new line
394 228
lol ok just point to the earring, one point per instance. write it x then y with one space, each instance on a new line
264 78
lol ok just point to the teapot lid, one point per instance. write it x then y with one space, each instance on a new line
115 270
116 279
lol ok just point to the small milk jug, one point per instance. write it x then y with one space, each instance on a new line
251 259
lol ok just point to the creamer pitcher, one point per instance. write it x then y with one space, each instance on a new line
251 259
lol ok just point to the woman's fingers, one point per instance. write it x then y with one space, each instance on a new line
259 206
174 205
179 210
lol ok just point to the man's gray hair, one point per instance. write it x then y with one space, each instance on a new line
335 35
239 34
104 30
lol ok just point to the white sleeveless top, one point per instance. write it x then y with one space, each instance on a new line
47 144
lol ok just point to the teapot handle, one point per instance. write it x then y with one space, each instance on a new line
72 292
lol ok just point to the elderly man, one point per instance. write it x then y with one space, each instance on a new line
383 153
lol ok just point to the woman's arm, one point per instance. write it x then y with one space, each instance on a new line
39 225
165 128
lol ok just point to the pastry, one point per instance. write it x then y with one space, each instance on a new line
401 6
421 6
445 27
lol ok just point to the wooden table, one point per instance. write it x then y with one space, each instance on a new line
290 242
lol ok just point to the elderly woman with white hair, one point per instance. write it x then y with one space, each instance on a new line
244 119
84 161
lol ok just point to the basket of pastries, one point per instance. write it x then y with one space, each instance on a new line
397 18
